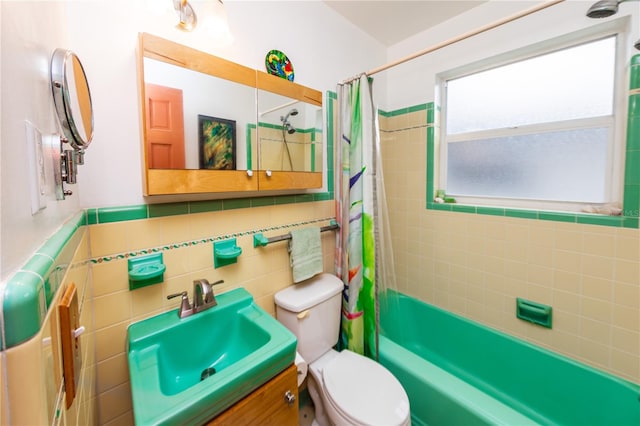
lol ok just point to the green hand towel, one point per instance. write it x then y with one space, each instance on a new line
305 250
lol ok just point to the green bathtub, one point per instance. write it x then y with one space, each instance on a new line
458 372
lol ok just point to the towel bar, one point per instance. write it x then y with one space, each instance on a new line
260 240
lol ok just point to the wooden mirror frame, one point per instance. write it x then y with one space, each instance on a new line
197 181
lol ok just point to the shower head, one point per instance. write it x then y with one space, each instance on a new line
289 128
285 121
603 8
292 112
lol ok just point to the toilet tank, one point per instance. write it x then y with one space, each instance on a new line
311 311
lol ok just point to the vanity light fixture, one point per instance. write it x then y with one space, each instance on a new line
188 18
215 25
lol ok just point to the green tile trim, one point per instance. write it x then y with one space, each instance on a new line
205 206
462 208
250 127
441 206
26 296
323 196
631 222
492 211
633 134
92 216
263 201
24 307
332 94
168 209
305 198
285 199
120 214
240 203
407 110
615 221
558 217
523 214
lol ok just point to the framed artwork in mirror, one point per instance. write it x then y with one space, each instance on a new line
217 143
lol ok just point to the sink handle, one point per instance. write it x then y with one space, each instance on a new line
185 307
183 294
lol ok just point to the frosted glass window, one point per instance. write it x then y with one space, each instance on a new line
559 166
572 83
538 130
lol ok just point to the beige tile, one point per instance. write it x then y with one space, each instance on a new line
566 301
567 260
626 340
597 266
112 372
599 244
107 239
174 229
146 300
114 403
566 281
596 331
177 261
597 309
627 294
627 271
110 277
594 352
626 317
111 341
112 309
597 288
125 419
569 240
626 364
567 343
628 248
566 322
540 275
143 234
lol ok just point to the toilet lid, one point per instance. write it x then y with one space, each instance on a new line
365 391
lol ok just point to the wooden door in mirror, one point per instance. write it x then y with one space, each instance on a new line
199 115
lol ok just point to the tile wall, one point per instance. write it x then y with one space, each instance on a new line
476 263
186 243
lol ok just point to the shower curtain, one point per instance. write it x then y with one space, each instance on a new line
355 213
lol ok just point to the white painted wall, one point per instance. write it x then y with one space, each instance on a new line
413 82
323 47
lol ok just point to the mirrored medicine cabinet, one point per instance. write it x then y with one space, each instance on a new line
214 126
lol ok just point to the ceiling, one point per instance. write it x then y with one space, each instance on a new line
392 21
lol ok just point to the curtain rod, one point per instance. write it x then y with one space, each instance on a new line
459 38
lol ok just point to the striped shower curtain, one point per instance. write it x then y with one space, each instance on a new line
355 247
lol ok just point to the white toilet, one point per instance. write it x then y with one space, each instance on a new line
346 388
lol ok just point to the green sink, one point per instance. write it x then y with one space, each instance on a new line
186 371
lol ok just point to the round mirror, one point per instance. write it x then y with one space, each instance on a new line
72 98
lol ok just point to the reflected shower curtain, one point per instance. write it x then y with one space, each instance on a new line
355 206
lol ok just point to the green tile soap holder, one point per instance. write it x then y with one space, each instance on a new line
146 270
225 252
534 312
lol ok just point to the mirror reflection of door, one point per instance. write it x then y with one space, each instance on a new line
164 127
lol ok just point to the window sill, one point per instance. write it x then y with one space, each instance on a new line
583 218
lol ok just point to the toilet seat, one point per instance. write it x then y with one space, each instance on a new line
349 387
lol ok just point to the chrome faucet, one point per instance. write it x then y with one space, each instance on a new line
203 298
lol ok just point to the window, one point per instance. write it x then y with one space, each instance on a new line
537 132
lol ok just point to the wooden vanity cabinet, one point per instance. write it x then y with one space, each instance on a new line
267 405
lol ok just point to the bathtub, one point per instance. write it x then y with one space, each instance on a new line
457 372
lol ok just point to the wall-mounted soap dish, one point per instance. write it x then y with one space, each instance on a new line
225 252
146 270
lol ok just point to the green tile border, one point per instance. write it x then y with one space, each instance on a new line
28 292
631 202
